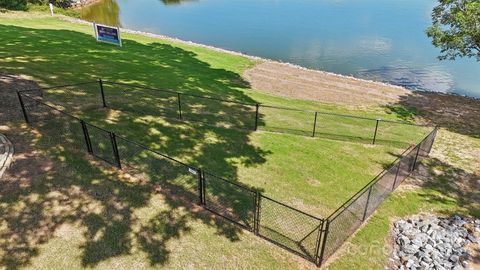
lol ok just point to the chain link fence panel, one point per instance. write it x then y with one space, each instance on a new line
344 222
174 177
289 227
286 120
231 200
141 101
57 128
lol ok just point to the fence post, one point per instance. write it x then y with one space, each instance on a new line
23 108
434 135
324 242
100 82
416 156
87 137
368 200
376 129
115 149
319 239
201 186
179 106
314 124
396 174
256 216
257 107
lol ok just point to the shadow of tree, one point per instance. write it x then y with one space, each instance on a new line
39 197
455 113
154 236
10 109
70 189
458 115
81 58
454 185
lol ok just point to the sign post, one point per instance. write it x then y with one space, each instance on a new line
107 34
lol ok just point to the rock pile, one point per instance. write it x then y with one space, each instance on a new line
433 242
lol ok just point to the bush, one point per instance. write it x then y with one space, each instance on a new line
22 4
39 6
58 3
71 12
14 4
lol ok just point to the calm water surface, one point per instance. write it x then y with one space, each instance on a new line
372 39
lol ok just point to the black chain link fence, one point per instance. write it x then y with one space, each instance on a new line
230 200
311 237
185 107
240 115
288 227
345 220
175 178
62 129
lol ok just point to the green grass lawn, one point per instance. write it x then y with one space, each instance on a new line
312 174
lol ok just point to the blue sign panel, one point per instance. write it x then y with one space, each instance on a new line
108 34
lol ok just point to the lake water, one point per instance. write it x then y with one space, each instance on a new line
372 39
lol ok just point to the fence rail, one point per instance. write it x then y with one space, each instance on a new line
313 238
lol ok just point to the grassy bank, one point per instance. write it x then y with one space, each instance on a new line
316 175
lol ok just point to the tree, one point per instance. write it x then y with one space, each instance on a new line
14 4
23 4
455 28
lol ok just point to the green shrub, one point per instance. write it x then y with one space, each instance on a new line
22 4
14 4
71 12
58 3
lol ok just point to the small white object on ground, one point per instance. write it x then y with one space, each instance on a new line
51 8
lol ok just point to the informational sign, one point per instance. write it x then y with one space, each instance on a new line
192 171
107 34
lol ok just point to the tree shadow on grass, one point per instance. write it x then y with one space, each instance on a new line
454 186
39 197
54 57
10 109
103 200
455 113
58 56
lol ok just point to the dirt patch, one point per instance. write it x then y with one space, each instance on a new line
295 82
27 163
9 104
456 113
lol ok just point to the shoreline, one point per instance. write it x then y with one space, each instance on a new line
263 59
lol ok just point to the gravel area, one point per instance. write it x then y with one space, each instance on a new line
431 242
